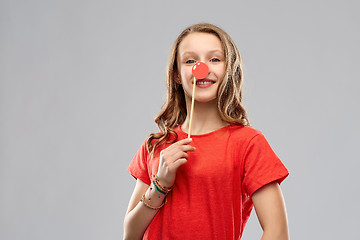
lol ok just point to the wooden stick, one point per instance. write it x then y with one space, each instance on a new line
192 107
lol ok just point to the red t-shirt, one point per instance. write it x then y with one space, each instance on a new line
211 197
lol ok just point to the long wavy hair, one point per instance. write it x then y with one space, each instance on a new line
229 94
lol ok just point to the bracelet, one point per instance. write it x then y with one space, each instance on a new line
152 207
160 187
157 189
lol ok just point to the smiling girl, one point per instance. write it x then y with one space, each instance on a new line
205 187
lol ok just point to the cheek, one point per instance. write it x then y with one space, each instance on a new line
220 71
186 74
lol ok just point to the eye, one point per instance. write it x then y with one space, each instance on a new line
214 60
190 61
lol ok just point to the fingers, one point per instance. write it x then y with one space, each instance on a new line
185 141
187 148
183 145
180 162
180 154
177 150
172 156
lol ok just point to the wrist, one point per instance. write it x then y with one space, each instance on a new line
162 181
166 188
153 198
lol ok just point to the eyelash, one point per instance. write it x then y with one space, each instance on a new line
217 60
211 60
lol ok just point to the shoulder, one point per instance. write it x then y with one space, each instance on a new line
244 133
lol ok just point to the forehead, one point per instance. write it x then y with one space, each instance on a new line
199 42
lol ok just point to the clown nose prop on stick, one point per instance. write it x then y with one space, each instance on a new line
200 70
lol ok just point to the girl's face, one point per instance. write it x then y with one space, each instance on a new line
201 47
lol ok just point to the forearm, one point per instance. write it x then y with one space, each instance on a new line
280 234
276 229
138 219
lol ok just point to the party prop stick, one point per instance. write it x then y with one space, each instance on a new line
200 70
192 106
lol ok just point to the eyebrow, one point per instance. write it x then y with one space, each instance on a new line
211 52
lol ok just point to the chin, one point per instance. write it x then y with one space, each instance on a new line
205 99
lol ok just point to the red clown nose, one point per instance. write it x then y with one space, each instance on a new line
200 70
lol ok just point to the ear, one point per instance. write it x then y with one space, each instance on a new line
176 77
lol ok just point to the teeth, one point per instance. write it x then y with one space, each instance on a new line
203 82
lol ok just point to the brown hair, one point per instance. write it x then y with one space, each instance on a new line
229 94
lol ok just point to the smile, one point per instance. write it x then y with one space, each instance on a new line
203 83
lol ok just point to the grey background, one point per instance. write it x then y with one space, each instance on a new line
81 81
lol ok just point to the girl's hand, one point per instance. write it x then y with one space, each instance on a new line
171 159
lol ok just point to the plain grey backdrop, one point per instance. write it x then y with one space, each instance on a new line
81 82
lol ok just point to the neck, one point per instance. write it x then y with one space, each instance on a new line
206 118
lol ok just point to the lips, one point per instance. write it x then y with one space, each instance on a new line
204 81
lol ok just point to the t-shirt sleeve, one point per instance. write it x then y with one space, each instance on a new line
138 167
261 165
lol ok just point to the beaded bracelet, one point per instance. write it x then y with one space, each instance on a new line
157 189
157 183
152 207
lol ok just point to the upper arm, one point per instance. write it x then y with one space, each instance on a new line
270 209
139 190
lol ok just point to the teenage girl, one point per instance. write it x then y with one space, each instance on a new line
205 187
